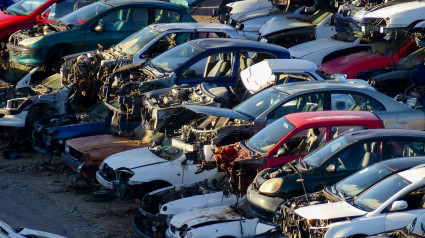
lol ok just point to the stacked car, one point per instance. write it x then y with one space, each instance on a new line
220 136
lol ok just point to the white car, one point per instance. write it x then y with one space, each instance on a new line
391 204
222 221
390 18
7 231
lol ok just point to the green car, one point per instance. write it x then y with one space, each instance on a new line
105 23
329 164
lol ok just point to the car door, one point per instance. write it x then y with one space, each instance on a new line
415 207
297 144
217 67
113 26
357 156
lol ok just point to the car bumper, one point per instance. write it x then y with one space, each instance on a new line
24 55
147 224
103 181
77 165
13 118
263 207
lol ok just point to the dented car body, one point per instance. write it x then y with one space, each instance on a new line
329 164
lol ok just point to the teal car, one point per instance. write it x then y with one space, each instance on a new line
105 23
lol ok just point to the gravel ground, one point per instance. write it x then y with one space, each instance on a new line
51 198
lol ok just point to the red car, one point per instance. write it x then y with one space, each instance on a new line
26 13
382 54
292 137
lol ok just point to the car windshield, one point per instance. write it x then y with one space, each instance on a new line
84 14
24 7
412 60
260 102
325 151
264 140
387 48
378 194
173 58
132 44
361 180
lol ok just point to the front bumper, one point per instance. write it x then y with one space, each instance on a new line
263 207
103 181
24 55
13 118
147 224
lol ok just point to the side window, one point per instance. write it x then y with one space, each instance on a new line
358 156
355 102
292 78
404 148
248 58
166 16
305 141
202 35
137 20
61 8
414 199
217 65
304 103
167 42
129 19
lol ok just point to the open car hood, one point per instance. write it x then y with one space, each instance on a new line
208 215
133 158
219 112
329 211
282 22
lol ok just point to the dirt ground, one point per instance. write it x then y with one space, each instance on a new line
51 198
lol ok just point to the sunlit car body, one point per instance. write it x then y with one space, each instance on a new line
329 164
390 204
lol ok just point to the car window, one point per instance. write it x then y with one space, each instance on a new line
358 156
201 35
292 78
166 16
216 65
414 199
404 148
167 42
355 102
303 103
25 7
248 58
305 141
62 8
127 19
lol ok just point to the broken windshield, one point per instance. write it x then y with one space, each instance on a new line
264 140
257 104
84 14
24 7
132 44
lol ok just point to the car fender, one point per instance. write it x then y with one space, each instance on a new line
364 225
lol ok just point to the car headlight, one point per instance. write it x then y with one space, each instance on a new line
271 186
67 148
29 41
15 103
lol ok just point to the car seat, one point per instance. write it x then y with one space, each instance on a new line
122 20
221 67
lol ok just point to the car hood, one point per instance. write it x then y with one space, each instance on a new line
402 14
6 20
251 14
282 22
219 112
208 215
354 63
90 143
133 159
243 6
329 211
299 51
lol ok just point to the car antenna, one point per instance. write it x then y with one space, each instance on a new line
302 182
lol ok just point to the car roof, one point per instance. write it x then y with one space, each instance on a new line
279 65
293 88
404 162
382 133
147 2
190 25
305 118
413 175
233 44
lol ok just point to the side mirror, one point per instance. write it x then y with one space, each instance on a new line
331 168
281 152
188 73
398 205
99 28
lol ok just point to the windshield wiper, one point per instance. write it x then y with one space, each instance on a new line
303 164
10 12
360 206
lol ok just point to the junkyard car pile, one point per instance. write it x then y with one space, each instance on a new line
222 136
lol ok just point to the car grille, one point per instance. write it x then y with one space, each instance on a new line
76 154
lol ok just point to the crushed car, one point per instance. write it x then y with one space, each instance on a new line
106 23
329 164
390 204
